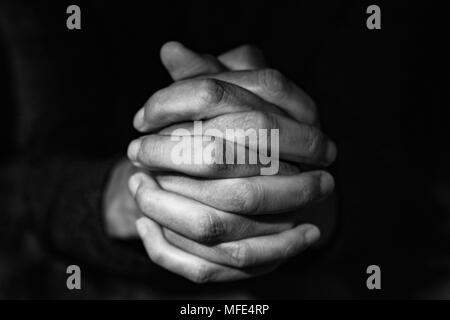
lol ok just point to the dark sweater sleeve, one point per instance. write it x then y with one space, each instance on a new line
64 197
65 138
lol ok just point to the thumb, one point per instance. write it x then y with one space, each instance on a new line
246 57
183 63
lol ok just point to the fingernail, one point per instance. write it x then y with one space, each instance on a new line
141 226
133 149
312 235
138 120
134 182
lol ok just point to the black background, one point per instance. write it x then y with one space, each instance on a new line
381 96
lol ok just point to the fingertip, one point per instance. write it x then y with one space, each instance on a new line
172 54
312 234
142 226
326 183
133 149
134 182
171 47
138 121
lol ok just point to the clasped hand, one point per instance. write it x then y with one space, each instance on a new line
213 222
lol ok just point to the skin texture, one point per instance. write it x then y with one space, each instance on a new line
213 223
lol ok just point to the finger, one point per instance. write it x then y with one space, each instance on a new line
183 63
246 57
269 84
196 99
204 156
197 221
211 95
297 142
272 86
251 252
253 195
185 264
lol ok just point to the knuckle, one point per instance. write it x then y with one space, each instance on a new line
313 141
215 154
273 82
211 91
245 196
308 191
143 152
292 248
202 274
239 254
151 148
218 161
262 120
210 229
215 167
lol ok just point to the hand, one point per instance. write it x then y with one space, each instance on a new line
120 209
241 243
